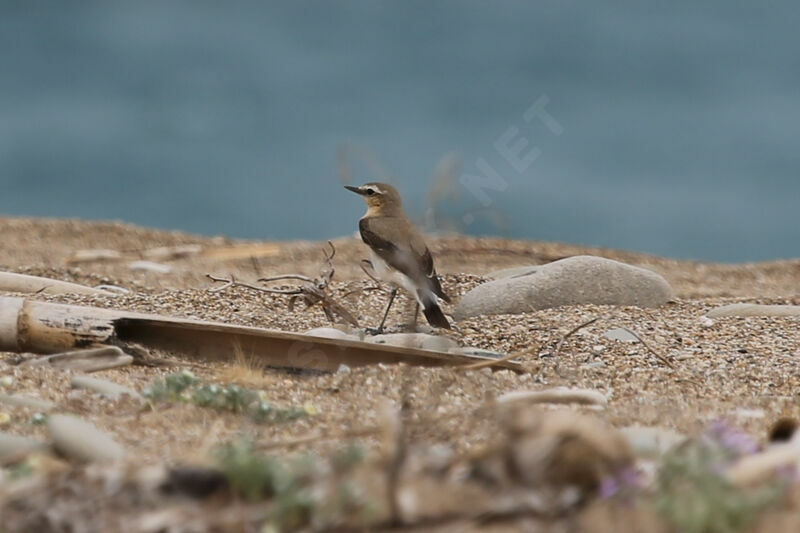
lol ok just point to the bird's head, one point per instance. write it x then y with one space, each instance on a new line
380 197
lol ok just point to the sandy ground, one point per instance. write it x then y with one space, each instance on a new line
731 368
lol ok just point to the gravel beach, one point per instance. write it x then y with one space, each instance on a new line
683 372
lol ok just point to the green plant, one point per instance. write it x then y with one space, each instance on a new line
184 386
170 387
695 497
231 398
255 477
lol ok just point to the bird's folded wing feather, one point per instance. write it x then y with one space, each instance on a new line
400 244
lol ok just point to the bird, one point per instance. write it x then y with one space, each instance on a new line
398 253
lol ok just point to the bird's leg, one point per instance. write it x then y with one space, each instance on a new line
386 313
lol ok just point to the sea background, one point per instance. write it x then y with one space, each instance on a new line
671 127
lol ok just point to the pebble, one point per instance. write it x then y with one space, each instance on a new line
421 341
18 400
620 334
150 266
575 280
651 442
330 333
556 395
12 446
80 440
103 386
745 310
706 322
753 414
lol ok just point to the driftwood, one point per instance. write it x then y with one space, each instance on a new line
11 282
40 327
88 360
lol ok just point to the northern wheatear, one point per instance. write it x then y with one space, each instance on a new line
398 252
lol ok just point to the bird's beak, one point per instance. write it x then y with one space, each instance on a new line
356 190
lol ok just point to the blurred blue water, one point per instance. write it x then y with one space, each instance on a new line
681 120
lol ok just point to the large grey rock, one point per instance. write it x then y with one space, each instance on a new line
80 440
575 280
743 310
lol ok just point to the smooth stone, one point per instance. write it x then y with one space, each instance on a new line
745 310
619 334
752 414
17 400
598 349
80 440
706 322
150 266
555 395
103 386
420 341
513 272
651 442
13 446
330 333
575 280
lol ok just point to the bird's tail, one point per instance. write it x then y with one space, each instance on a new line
433 313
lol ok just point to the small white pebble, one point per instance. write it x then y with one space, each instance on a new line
6 381
706 322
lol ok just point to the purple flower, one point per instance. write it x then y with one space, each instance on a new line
625 481
732 439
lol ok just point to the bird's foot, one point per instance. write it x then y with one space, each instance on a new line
374 331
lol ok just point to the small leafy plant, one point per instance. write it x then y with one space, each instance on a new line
185 386
301 491
695 497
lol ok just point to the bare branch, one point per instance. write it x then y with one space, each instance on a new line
572 332
286 276
660 357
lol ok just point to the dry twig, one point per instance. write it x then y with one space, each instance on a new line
572 332
311 292
660 357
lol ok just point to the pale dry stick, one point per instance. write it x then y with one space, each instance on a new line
491 362
287 276
231 282
659 356
572 332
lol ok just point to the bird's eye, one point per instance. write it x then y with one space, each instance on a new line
370 192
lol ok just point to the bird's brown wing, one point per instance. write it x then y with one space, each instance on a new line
398 242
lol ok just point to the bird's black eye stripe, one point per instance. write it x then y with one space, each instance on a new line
370 192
